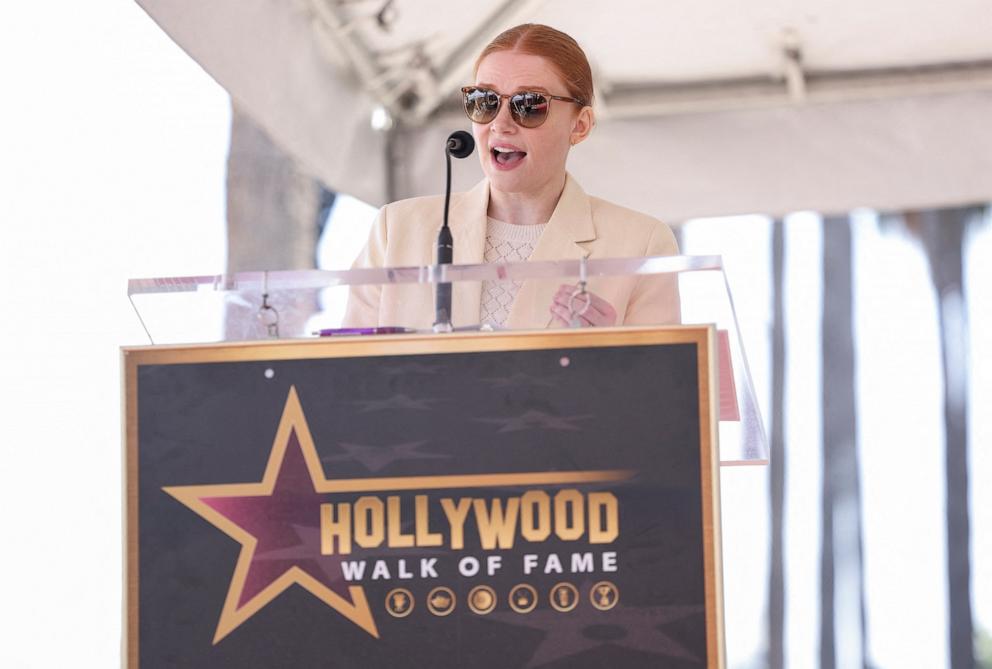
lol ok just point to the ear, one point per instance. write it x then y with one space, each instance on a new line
583 124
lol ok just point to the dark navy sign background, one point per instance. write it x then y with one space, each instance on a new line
522 411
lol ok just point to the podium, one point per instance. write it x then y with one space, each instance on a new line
464 499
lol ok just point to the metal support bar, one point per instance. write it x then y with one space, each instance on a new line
624 101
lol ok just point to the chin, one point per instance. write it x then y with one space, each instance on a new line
509 182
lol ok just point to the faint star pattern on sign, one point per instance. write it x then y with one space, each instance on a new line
585 628
409 368
375 458
397 402
518 379
536 420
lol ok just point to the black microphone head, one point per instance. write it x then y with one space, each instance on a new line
460 144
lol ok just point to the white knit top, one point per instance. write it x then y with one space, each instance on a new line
505 242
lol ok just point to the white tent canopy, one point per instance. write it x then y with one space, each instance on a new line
704 108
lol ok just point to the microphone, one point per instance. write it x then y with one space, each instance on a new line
460 145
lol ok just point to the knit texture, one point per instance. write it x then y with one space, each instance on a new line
505 242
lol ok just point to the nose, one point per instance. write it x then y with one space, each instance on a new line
503 123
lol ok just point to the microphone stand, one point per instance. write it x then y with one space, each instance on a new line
461 144
445 256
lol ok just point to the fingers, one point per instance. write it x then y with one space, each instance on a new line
563 319
590 310
599 313
560 315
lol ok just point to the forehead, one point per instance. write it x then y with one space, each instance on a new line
509 71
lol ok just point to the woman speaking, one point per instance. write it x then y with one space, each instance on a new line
529 105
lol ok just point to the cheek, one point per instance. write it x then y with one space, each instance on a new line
554 145
480 133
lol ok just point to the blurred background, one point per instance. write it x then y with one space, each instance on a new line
837 155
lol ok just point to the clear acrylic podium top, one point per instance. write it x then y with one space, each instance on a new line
300 304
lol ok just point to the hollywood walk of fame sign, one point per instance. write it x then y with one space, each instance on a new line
543 499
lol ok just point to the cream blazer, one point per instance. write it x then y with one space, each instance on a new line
405 234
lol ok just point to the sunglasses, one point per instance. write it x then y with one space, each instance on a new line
529 109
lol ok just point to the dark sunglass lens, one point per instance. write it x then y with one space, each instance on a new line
530 109
481 105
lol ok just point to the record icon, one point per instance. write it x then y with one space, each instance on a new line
482 599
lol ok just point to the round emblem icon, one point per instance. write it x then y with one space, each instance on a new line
604 595
523 598
564 597
482 599
399 602
441 601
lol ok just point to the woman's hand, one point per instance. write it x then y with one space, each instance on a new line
599 314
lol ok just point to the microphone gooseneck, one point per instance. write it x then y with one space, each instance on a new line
460 145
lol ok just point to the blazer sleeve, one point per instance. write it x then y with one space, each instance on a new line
362 310
655 298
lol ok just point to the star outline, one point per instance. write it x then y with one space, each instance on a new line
358 610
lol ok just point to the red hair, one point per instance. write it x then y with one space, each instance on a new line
564 53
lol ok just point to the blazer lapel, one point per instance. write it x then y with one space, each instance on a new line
467 219
568 230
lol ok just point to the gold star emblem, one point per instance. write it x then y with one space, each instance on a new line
215 503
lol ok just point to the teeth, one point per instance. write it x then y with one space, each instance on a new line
500 149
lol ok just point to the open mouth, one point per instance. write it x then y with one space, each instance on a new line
506 157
